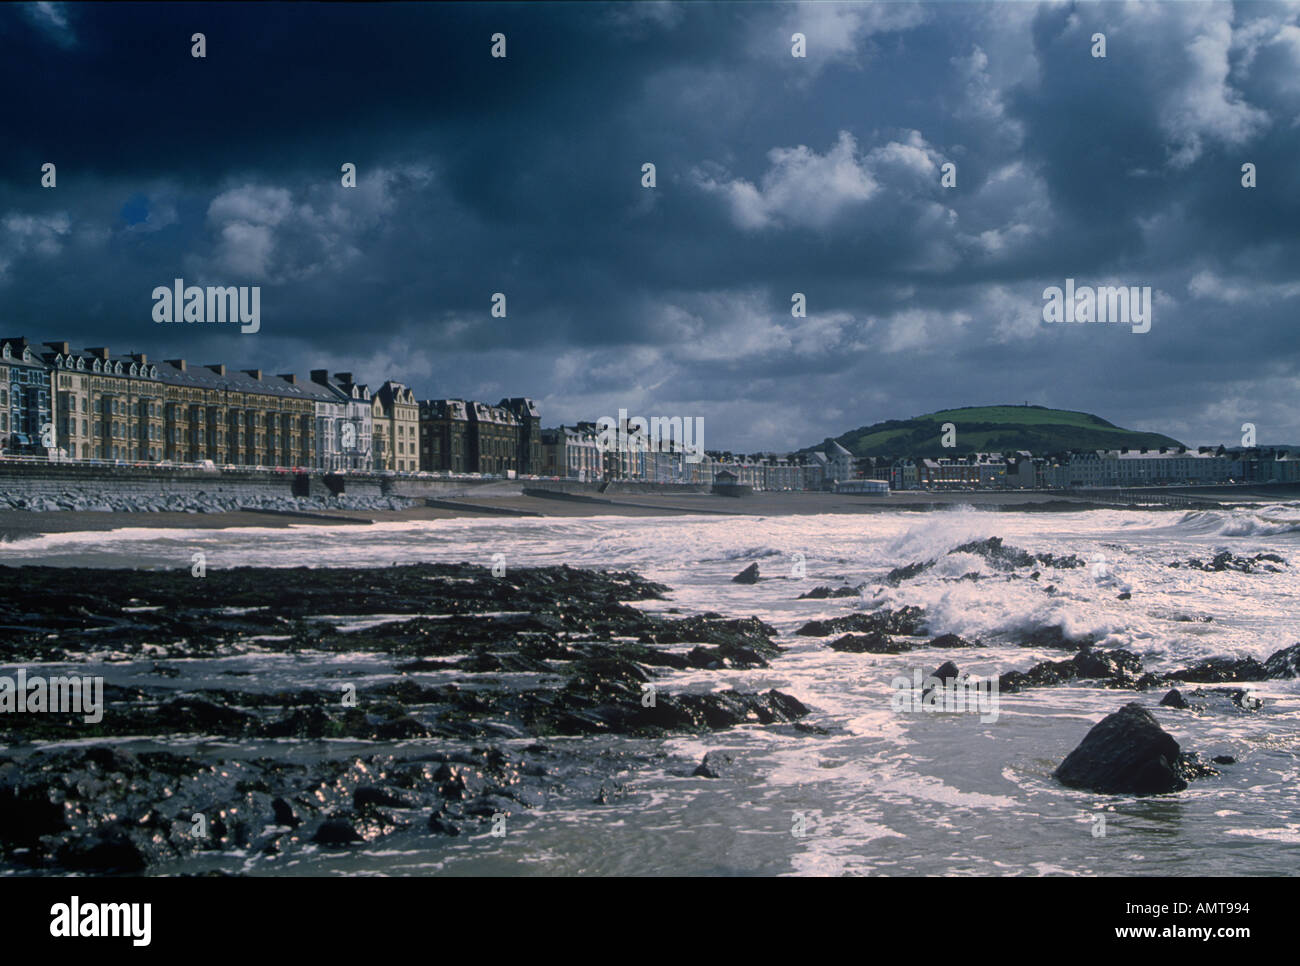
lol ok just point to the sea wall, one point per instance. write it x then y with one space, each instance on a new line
72 486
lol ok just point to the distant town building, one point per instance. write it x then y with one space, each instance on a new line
396 418
347 427
444 436
528 459
26 400
572 453
493 440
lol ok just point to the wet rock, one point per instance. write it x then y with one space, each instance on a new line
1218 669
1284 663
1174 699
336 832
1055 636
1224 760
591 654
945 672
284 813
1127 752
906 621
747 576
953 640
825 593
1226 560
899 574
715 764
1118 668
110 848
873 643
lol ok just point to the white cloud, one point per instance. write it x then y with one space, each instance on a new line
1206 284
800 187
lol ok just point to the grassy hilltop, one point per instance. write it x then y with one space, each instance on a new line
996 428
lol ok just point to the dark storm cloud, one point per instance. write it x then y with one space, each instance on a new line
775 175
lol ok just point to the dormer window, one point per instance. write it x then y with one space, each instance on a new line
133 369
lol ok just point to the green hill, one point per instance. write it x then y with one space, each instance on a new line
995 428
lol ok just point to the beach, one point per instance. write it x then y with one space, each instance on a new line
20 524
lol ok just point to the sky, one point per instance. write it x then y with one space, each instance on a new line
774 175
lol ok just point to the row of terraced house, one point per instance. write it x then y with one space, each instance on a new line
92 404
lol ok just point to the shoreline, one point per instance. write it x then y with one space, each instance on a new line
26 524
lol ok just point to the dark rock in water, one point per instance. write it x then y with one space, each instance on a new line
747 576
336 832
1284 663
1174 699
1226 560
1125 596
1106 664
953 640
589 655
899 574
1118 668
1006 557
441 826
1055 636
945 672
1129 753
906 621
715 764
110 848
824 593
873 643
284 813
741 643
1224 760
1218 669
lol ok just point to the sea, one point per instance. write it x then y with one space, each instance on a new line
881 791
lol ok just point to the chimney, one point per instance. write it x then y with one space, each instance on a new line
255 373
62 348
219 368
290 377
343 377
178 363
140 357
100 353
320 375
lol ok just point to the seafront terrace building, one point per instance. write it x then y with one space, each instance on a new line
572 453
26 404
348 427
128 407
396 422
493 440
